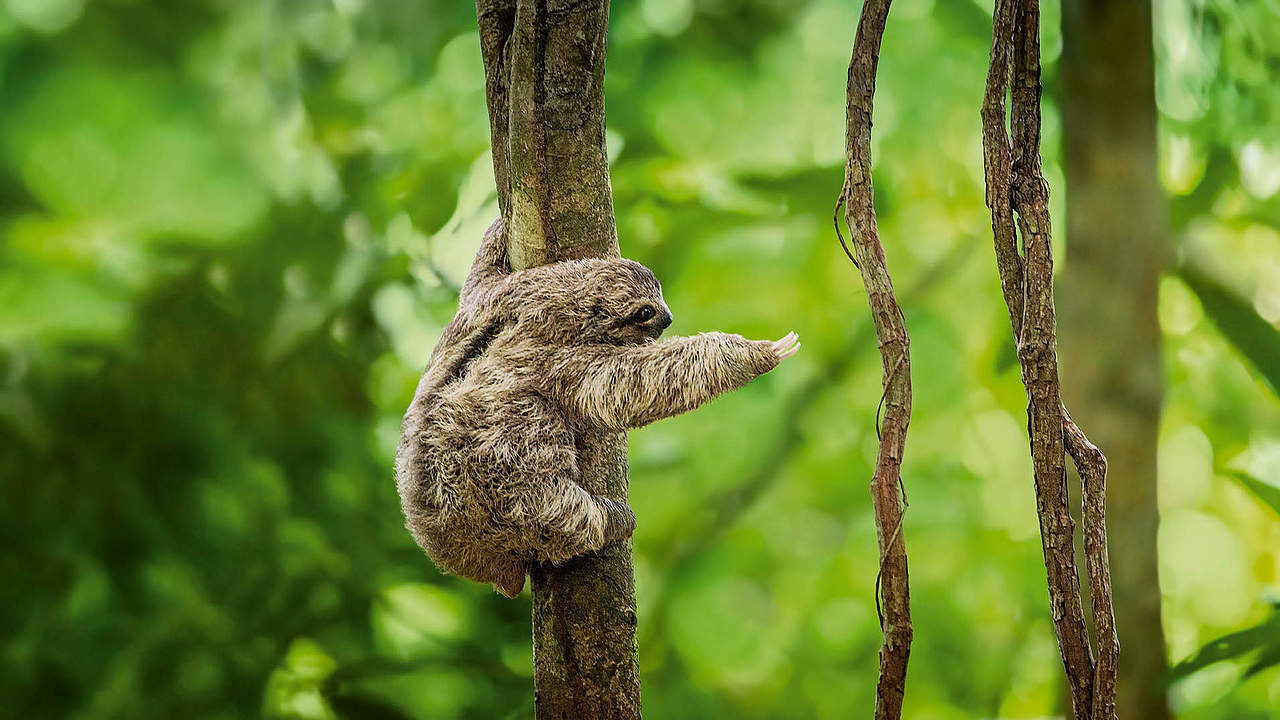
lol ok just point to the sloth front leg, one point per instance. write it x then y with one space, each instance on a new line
627 387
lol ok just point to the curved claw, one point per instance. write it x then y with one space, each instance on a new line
787 346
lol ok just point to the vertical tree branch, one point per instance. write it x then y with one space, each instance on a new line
496 19
1016 184
998 164
544 71
1091 465
1037 353
893 593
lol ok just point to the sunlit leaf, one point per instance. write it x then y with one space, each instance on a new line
294 690
1256 339
1268 658
414 618
1264 491
1230 646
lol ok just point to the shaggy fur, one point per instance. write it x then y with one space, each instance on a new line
532 363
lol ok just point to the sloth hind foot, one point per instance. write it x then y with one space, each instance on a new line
508 579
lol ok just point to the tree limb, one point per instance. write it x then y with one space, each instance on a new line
1091 465
1015 183
893 595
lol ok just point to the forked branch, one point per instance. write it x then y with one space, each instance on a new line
1015 184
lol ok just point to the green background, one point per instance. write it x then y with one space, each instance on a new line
228 236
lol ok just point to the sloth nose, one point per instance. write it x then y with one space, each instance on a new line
664 320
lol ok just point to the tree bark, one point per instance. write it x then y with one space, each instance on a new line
893 598
544 72
1117 248
1015 184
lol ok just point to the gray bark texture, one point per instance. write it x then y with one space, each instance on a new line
1117 248
1015 185
544 72
893 596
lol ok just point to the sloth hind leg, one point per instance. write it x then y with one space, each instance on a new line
572 522
508 576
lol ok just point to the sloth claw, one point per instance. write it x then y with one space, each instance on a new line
787 346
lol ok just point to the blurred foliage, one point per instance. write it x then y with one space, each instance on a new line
231 232
1260 637
1238 321
1266 492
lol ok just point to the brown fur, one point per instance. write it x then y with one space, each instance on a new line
534 361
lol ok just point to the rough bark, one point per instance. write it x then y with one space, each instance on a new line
893 592
1117 248
1091 465
1016 186
544 71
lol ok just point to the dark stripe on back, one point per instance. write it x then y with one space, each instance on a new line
476 345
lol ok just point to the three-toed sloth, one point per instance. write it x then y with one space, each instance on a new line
487 467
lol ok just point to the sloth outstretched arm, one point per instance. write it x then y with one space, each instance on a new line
630 386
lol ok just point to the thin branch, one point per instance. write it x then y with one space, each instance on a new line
891 334
1015 184
998 165
1091 465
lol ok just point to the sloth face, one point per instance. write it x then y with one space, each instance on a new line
628 308
645 323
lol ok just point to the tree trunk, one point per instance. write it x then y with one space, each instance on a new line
1116 251
544 71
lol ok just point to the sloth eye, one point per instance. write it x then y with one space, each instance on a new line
642 314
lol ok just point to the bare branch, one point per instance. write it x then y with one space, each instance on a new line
998 163
893 594
1015 184
1091 465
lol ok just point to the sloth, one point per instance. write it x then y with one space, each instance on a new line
533 363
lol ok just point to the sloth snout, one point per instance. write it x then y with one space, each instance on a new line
663 321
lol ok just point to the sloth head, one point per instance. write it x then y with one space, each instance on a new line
625 302
614 302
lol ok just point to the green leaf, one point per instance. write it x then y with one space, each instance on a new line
1256 339
1233 645
1264 491
295 688
1268 658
